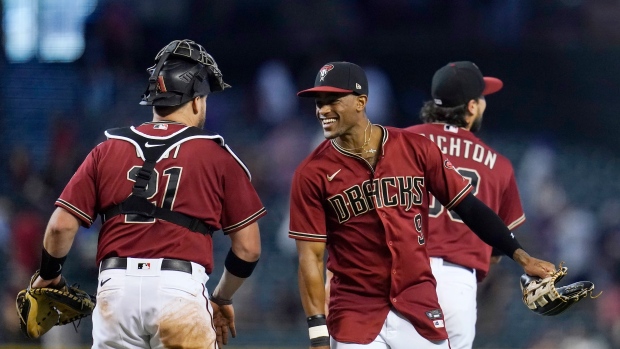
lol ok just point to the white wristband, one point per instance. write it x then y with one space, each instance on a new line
318 331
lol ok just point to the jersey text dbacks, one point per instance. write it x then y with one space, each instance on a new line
379 192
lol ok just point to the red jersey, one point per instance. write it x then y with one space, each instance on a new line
198 177
374 223
493 178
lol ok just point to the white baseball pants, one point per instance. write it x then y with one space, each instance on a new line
456 290
396 333
143 306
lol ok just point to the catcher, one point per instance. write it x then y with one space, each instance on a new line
162 189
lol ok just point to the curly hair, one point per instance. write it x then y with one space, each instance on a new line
431 112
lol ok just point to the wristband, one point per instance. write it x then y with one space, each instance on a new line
237 266
50 266
317 330
319 342
220 301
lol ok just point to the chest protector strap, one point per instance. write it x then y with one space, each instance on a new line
152 150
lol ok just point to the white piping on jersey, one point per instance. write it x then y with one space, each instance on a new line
244 222
307 235
247 171
73 208
458 196
218 138
517 222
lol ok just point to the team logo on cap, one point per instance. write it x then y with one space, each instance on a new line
326 68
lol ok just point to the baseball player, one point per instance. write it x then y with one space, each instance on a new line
162 189
364 195
459 259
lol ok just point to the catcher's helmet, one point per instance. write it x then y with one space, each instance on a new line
183 70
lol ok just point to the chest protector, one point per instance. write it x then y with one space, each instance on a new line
152 149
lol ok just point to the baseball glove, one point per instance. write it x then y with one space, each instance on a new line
544 298
40 309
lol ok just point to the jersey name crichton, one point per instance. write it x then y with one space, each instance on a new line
466 149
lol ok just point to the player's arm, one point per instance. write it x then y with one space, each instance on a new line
491 229
239 264
312 290
245 241
57 241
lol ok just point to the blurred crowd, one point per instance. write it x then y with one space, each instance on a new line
51 115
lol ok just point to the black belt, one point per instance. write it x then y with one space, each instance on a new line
450 264
166 264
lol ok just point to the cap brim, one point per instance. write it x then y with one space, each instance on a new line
491 85
313 92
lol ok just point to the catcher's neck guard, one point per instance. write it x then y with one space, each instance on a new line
183 70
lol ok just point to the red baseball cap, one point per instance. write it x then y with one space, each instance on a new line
459 82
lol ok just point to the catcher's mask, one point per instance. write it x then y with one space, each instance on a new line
183 70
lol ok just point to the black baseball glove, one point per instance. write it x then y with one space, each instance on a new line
544 298
42 308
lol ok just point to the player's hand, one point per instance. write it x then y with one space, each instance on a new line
224 321
533 266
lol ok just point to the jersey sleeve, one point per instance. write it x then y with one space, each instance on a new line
444 181
79 196
307 216
510 210
241 204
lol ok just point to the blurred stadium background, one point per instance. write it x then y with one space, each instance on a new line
72 68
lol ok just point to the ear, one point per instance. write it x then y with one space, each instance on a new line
361 103
195 103
472 106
